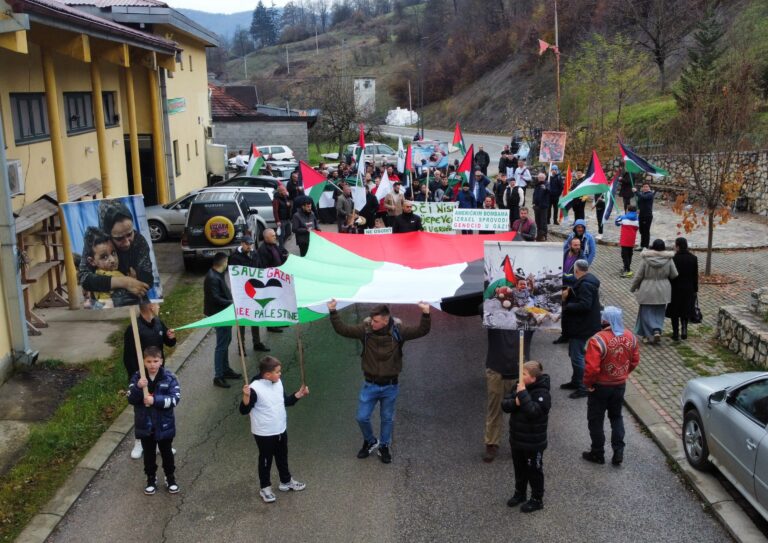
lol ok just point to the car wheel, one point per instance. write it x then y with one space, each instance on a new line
157 231
695 441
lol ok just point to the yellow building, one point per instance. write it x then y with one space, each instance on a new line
97 98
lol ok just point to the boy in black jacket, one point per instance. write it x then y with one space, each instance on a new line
529 408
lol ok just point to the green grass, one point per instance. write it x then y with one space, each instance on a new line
649 117
56 446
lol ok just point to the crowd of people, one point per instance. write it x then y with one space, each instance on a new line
602 351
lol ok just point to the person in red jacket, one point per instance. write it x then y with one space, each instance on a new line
627 237
612 354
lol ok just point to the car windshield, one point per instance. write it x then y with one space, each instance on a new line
386 150
201 212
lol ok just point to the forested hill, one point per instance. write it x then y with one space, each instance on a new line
478 60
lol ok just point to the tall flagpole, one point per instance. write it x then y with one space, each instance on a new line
557 66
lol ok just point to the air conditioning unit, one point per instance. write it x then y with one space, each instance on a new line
209 132
15 177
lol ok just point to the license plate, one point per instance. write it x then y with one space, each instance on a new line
209 254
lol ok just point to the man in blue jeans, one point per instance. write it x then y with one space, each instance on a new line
581 320
382 361
217 297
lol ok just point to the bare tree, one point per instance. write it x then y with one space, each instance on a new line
661 26
709 134
334 96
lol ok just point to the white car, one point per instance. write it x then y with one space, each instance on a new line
276 152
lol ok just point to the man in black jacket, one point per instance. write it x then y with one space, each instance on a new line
555 191
581 320
482 160
270 254
246 256
217 297
407 221
541 206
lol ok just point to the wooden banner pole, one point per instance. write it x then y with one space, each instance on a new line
522 354
241 345
300 346
137 344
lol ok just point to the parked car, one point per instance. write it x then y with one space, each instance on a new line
168 220
218 219
375 153
280 170
262 181
276 152
724 423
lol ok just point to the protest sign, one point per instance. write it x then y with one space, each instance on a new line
370 231
436 216
552 147
481 219
523 285
263 296
111 241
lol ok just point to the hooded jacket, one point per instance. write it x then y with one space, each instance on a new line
528 421
629 225
581 311
588 245
382 355
652 282
157 420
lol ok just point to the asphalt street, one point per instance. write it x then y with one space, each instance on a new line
437 488
491 144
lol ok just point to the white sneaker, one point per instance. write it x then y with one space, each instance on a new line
137 451
293 484
267 495
599 237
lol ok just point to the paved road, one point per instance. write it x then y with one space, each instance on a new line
492 144
437 489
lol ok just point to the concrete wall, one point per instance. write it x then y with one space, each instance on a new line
755 188
5 340
239 135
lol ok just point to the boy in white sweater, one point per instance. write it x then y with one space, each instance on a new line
265 401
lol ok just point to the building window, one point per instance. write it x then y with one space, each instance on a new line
30 117
181 62
111 117
190 63
188 157
176 160
78 107
197 151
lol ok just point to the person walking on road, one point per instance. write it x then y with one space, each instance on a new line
528 407
612 354
501 373
685 287
581 320
383 337
645 210
482 160
653 290
555 191
627 238
541 206
217 297
303 221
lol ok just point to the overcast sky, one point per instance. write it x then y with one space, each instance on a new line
225 6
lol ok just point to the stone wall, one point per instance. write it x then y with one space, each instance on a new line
240 135
744 330
755 188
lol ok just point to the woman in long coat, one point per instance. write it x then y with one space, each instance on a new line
653 290
684 289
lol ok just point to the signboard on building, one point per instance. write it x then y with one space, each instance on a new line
176 105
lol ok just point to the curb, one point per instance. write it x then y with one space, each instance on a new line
563 236
728 512
41 526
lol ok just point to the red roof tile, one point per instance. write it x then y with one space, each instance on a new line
224 105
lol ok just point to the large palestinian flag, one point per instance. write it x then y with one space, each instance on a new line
401 269
634 163
594 182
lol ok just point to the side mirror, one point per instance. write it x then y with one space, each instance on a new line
716 397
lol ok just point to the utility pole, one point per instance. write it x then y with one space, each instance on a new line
410 103
421 85
342 61
557 67
317 47
287 61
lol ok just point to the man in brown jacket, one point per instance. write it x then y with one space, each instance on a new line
382 360
393 201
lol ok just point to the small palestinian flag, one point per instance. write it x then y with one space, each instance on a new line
458 139
313 182
256 162
567 186
359 152
464 172
594 182
634 163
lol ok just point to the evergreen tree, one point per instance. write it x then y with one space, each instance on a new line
263 26
702 73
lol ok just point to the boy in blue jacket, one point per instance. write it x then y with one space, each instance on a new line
154 422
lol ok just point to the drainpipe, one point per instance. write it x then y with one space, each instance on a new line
9 269
167 129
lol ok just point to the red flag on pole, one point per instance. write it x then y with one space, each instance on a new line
509 273
567 186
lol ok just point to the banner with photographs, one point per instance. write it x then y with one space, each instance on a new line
112 250
552 147
523 285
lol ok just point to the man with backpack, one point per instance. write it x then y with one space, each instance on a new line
383 337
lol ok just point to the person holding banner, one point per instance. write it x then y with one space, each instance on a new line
246 256
217 297
383 337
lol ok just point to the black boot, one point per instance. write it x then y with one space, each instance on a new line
516 500
594 457
675 329
532 505
618 457
684 329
